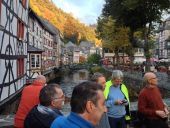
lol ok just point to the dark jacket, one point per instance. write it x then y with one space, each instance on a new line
41 117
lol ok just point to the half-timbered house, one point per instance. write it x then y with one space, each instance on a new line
13 47
35 46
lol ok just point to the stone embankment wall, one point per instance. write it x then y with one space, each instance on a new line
134 83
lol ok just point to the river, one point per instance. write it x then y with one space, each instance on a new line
68 82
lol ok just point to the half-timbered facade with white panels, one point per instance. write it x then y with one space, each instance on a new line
60 48
13 47
35 45
164 40
48 62
49 33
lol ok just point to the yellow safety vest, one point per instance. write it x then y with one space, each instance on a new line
124 91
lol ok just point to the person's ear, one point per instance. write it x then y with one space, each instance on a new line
52 103
89 106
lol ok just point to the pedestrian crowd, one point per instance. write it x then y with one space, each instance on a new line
95 103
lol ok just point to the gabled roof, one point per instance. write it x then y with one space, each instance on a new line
164 25
70 44
45 23
48 26
86 44
35 16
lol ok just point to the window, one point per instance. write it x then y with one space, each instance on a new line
35 60
20 66
49 43
168 53
24 2
31 25
33 39
37 43
20 30
168 43
37 31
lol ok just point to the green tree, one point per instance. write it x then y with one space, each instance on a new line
94 59
114 37
137 14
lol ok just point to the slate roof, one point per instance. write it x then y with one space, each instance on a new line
45 23
70 44
48 26
34 49
86 44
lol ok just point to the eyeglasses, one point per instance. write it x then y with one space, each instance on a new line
58 98
153 78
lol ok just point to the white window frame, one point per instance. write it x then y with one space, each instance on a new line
36 63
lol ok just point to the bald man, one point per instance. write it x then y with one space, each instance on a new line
151 105
29 98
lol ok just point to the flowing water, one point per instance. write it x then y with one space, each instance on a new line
68 82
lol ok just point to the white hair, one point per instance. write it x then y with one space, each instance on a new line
117 74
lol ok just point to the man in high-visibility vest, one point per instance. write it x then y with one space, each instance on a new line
117 101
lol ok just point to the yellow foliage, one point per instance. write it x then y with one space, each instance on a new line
65 22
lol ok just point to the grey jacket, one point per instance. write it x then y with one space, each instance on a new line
104 122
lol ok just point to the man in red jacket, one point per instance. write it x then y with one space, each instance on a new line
151 105
29 98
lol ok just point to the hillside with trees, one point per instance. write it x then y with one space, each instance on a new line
71 28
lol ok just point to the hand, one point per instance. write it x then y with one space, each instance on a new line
118 102
161 114
166 111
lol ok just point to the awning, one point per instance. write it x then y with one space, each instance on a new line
34 49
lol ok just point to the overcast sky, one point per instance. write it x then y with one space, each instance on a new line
86 11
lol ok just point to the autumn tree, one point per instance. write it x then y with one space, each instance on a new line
71 28
137 14
114 37
82 59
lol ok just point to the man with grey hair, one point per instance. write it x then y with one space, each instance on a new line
87 107
51 101
100 79
151 105
29 99
117 101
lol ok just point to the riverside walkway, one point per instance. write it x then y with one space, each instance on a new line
7 121
163 78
